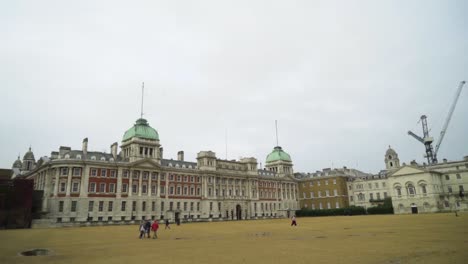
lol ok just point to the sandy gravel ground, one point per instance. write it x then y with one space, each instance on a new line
434 238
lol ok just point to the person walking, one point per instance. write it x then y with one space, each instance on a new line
148 228
155 227
293 221
167 224
142 230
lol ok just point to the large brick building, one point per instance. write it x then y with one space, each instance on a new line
139 183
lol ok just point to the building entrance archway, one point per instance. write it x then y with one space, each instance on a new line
238 212
414 208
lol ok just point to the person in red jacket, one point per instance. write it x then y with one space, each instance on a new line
155 227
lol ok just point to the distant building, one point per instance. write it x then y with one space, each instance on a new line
325 189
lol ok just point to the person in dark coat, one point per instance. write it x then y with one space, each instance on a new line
167 224
148 228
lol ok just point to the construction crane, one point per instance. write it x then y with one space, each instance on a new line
427 140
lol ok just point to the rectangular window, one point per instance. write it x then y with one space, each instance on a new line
145 175
75 186
178 205
450 189
318 184
376 185
191 206
351 198
458 176
178 178
73 206
134 188
383 184
171 190
337 205
334 181
92 187
90 206
113 173
178 190
60 209
192 191
76 171
371 196
124 206
320 206
385 194
93 172
335 192
101 206
143 188
110 206
326 182
171 206
163 190
198 206
124 187
185 190
134 206
153 189
370 185
185 206
125 174
162 206
102 187
460 188
378 196
311 194
103 172
62 186
447 177
153 206
64 171
328 205
112 187
327 193
319 193
211 206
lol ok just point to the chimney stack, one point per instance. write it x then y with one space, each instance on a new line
114 150
180 156
85 146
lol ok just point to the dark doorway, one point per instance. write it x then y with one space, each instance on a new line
414 209
288 214
238 212
177 215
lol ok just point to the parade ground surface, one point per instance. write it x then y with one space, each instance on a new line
433 238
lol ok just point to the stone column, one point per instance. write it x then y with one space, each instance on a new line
47 190
57 171
130 183
140 182
148 189
84 182
158 187
119 182
69 181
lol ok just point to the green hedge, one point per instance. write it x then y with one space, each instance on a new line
353 210
384 208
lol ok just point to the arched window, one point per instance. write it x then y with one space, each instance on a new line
389 156
411 189
398 190
93 157
391 164
423 189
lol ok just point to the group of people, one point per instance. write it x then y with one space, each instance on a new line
146 227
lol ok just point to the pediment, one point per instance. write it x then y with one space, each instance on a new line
406 170
145 163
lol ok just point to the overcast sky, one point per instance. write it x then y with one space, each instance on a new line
344 79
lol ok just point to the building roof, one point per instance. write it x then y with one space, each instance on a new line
141 129
17 164
5 174
29 155
278 154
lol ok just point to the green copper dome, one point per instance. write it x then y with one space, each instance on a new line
141 129
278 154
